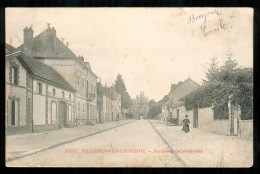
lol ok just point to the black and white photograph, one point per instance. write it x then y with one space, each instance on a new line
129 87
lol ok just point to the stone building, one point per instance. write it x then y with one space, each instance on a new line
49 49
173 106
139 107
109 104
37 97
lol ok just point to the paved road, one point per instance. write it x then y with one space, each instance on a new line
135 144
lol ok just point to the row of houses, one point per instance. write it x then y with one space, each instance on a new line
49 87
173 108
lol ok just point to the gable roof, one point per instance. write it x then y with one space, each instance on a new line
42 70
175 86
39 47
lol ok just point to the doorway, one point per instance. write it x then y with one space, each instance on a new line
62 118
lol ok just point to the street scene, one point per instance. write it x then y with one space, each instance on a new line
129 87
143 147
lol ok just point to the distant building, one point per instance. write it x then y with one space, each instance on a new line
37 97
173 106
49 49
109 104
139 107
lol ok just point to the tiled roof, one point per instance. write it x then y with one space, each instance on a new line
43 71
104 90
9 49
40 46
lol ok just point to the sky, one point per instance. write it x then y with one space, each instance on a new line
151 48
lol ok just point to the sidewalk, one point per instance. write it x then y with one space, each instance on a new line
214 150
25 144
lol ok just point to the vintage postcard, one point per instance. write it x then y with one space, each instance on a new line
129 87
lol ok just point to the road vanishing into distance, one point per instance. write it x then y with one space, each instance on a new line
137 144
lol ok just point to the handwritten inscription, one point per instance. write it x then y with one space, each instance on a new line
206 28
220 26
203 16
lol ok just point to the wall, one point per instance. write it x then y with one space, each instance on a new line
71 69
39 103
182 113
17 91
207 122
56 99
65 67
246 129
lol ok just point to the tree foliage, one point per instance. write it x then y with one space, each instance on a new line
221 83
121 89
213 71
154 109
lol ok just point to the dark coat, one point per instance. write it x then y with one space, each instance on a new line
185 126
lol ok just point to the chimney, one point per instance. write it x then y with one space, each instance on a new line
81 58
67 44
62 39
50 43
28 40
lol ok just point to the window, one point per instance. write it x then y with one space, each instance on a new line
53 92
78 108
83 108
87 86
69 113
62 94
88 111
12 113
83 82
39 88
70 96
14 75
78 81
53 117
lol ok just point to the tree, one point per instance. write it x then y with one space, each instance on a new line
154 109
121 89
221 83
228 70
151 103
212 74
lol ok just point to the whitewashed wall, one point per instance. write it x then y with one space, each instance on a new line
246 129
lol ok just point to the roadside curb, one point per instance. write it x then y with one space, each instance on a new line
62 143
169 146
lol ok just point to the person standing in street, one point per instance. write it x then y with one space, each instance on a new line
186 123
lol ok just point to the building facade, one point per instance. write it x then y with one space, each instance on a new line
109 104
49 49
173 106
37 97
140 107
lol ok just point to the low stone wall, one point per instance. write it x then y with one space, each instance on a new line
207 122
246 129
